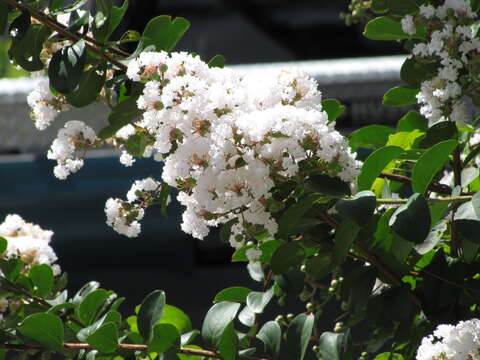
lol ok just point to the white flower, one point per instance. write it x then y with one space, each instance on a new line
126 159
427 11
408 26
459 342
253 254
45 106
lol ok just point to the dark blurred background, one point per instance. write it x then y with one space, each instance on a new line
191 271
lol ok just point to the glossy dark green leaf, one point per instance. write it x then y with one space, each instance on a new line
42 278
320 265
379 6
217 319
234 294
414 72
136 145
286 257
72 6
105 338
467 219
430 163
229 344
271 335
326 185
66 67
150 313
412 220
218 61
439 132
291 282
433 238
360 288
370 137
4 9
46 329
384 28
334 346
333 108
247 317
11 268
375 164
84 291
257 301
26 50
360 208
413 121
291 216
404 7
389 356
226 230
89 88
89 307
176 317
400 96
298 335
163 33
3 245
165 337
111 316
345 235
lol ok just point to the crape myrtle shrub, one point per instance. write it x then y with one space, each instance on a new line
391 240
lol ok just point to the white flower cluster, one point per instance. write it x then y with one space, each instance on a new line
449 342
124 216
45 106
74 136
226 139
453 43
28 241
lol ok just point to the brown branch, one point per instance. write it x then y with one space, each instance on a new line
436 187
47 22
128 347
457 176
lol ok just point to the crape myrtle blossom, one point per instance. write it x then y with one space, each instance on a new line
452 342
73 138
227 139
30 243
451 44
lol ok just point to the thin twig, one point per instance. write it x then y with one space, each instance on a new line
450 199
47 22
436 187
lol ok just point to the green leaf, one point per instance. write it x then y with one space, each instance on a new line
3 245
89 88
4 9
105 338
84 291
375 163
217 319
72 6
334 346
66 67
345 235
88 309
234 294
165 337
413 121
150 313
298 335
293 214
432 239
176 317
389 356
271 335
116 16
404 7
291 282
111 316
360 208
136 145
467 219
257 301
333 108
26 50
46 329
326 185
384 28
400 96
414 72
218 61
379 6
42 278
228 346
360 287
320 265
430 163
439 132
412 220
286 257
370 137
163 33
